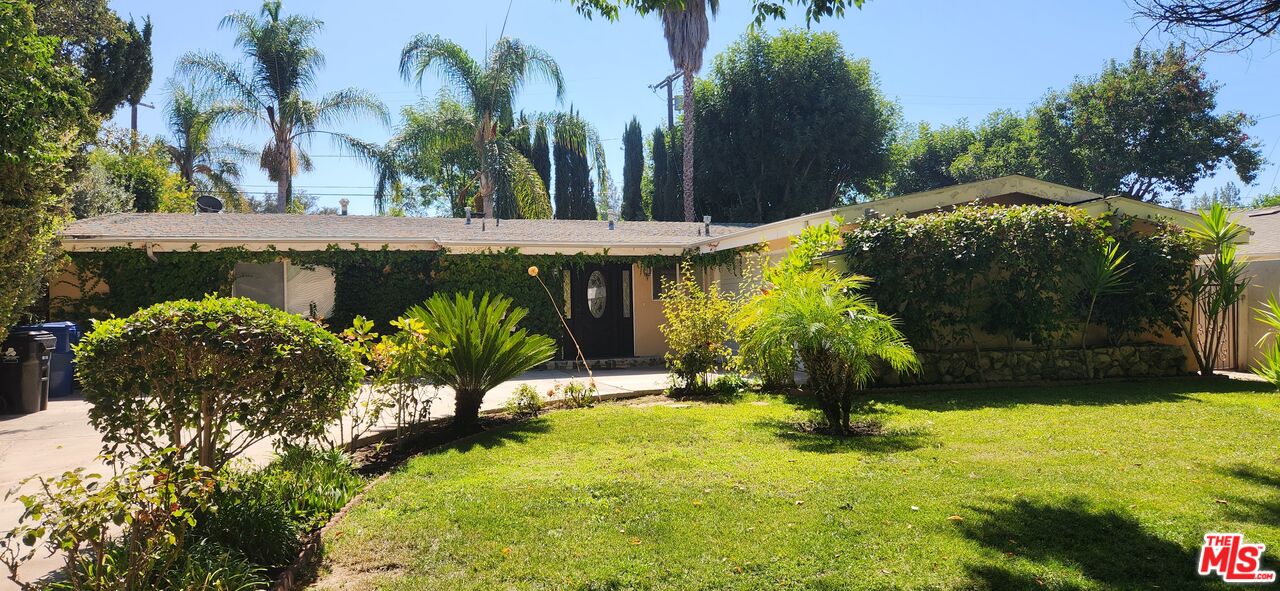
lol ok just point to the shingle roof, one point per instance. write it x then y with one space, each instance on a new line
1265 224
373 231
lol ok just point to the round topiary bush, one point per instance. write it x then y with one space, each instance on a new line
209 378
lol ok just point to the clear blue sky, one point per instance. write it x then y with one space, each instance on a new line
942 60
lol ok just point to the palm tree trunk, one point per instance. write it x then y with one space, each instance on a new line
486 195
283 168
687 107
466 407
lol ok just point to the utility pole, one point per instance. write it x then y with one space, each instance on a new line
671 100
133 122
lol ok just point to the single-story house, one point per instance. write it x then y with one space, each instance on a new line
1262 253
612 301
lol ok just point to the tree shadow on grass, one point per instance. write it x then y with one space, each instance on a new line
1084 394
890 441
1109 548
1263 511
516 432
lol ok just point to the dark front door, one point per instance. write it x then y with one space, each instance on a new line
601 302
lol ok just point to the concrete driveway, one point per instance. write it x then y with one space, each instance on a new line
51 442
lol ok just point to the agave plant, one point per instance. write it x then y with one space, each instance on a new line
482 343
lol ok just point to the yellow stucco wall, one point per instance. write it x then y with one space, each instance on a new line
647 314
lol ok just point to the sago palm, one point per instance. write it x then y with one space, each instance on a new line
201 160
270 90
482 346
489 90
834 330
686 28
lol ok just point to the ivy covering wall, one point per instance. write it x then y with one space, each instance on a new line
1012 274
377 284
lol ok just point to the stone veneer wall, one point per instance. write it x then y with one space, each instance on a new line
1125 361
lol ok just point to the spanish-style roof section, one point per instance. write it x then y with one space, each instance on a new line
169 231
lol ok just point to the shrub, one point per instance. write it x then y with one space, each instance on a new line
397 364
697 330
231 370
836 331
525 402
250 518
200 567
76 513
577 394
482 346
1013 272
263 513
1269 316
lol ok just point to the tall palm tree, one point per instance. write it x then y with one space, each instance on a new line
271 89
687 31
489 89
201 160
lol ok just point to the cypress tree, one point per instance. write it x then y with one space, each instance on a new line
540 155
632 171
564 166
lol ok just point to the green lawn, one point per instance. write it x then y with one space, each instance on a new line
1077 487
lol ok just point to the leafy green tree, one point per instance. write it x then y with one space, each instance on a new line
814 10
1271 199
482 343
1142 128
1227 195
44 118
792 125
666 206
95 191
145 173
1004 143
923 158
1147 128
120 69
488 89
201 160
114 58
632 172
271 90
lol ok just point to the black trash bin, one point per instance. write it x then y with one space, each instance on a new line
62 358
24 371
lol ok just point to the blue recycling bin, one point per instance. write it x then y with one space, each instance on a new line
61 360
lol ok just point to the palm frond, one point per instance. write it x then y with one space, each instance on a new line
452 61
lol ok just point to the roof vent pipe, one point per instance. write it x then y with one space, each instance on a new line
468 210
613 219
343 203
706 224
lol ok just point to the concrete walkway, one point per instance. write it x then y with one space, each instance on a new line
51 442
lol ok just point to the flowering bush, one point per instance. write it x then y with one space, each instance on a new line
697 330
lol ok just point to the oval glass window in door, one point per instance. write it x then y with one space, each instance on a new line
596 294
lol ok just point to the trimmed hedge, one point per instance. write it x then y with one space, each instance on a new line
959 278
